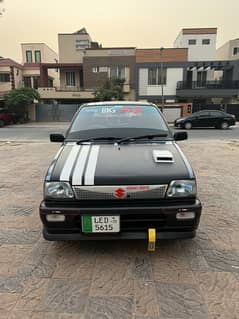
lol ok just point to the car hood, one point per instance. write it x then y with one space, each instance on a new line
180 119
108 164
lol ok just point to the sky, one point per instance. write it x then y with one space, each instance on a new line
140 23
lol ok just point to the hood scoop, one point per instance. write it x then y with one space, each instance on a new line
161 156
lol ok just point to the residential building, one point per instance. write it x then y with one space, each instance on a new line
83 64
72 46
209 82
33 54
165 77
104 63
201 43
229 50
10 76
159 71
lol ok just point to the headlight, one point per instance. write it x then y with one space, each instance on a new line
58 190
182 188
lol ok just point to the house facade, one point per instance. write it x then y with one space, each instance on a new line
166 76
229 50
33 54
83 64
158 71
200 42
10 77
105 63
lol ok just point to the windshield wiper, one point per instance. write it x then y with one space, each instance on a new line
92 139
149 136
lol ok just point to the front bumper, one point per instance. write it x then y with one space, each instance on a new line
134 221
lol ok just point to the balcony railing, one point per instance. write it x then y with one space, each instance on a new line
194 85
69 89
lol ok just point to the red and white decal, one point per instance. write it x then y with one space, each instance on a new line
135 110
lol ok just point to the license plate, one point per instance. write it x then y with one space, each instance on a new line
100 224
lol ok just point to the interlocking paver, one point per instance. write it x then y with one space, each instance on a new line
64 295
195 278
110 308
181 301
146 302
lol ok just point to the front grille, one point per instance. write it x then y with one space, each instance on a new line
108 192
134 222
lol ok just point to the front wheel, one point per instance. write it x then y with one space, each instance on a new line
224 125
188 125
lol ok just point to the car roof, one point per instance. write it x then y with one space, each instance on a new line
208 111
118 102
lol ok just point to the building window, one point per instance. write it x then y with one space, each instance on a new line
37 56
121 72
192 42
95 69
29 56
70 79
36 82
27 82
113 72
156 77
4 77
205 41
117 72
235 51
50 83
82 44
201 78
103 69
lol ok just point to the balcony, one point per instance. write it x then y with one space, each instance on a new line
207 88
65 93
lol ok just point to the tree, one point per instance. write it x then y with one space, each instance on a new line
111 89
18 101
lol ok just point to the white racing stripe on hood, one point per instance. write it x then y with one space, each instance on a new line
80 165
66 171
91 166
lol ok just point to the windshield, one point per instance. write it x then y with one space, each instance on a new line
117 120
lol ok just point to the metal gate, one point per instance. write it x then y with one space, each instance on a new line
55 112
172 113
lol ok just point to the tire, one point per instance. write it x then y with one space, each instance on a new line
2 123
224 125
188 125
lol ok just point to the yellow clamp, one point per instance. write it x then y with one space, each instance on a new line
151 239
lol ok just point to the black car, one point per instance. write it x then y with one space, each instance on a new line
207 118
119 174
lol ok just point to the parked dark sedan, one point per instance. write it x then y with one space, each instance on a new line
207 118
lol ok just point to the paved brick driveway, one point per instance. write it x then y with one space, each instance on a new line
184 279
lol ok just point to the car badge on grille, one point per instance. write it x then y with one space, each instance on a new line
120 193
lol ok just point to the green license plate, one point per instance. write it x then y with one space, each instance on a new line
100 224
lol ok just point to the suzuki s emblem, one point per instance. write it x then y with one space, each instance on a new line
120 193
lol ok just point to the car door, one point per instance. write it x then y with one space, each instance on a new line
204 119
193 119
216 118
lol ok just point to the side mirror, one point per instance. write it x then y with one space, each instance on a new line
180 136
58 138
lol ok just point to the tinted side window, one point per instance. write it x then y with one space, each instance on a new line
204 114
217 114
